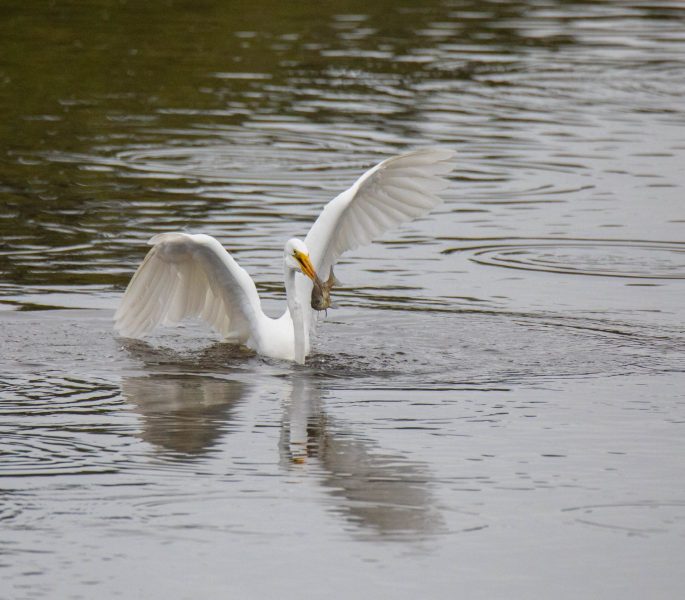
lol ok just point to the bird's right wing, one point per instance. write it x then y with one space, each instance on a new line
186 275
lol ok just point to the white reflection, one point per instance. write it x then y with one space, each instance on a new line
382 493
379 493
183 414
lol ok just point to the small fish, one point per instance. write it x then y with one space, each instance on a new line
321 292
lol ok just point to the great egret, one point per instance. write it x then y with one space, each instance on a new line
186 275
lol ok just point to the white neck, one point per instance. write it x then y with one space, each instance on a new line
296 314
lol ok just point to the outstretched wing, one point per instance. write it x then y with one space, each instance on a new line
395 191
187 275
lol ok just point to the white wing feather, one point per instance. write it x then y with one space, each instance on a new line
187 275
397 190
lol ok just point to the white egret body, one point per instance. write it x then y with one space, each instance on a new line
186 275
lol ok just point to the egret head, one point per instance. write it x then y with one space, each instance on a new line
297 258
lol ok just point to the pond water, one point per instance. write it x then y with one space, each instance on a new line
497 408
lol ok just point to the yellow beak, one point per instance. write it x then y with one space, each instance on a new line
306 265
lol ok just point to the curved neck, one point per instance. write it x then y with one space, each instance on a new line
296 314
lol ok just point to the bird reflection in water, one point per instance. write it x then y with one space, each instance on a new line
183 414
381 493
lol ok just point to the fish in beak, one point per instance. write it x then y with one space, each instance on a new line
321 292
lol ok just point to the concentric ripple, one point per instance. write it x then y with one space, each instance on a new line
631 259
640 518
53 425
43 453
246 158
38 395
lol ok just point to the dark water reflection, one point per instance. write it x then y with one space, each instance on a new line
497 406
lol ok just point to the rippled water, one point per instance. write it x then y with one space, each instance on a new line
497 408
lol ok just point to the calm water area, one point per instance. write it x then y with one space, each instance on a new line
497 408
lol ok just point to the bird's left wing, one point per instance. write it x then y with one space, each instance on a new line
397 190
186 275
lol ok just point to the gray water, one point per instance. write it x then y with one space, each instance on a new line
496 410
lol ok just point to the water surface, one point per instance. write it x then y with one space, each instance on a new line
497 408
